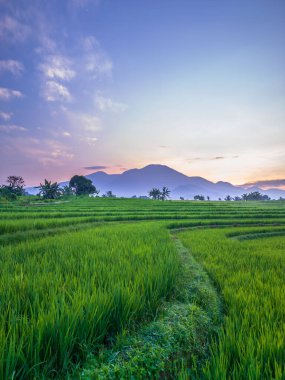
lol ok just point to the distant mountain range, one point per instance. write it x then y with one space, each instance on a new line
269 184
139 181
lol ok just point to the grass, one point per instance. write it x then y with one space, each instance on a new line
102 279
176 341
63 296
250 276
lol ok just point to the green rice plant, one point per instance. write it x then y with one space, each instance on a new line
250 277
67 288
63 296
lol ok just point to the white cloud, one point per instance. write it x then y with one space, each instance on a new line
90 140
57 67
66 134
5 115
46 152
11 30
7 94
54 91
105 104
89 43
96 61
14 67
82 121
58 150
9 128
89 122
98 64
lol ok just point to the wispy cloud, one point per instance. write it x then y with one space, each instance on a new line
12 30
267 184
96 61
96 167
89 43
81 126
58 150
46 152
84 122
209 158
57 67
7 94
89 140
54 91
12 127
107 104
12 66
98 64
5 115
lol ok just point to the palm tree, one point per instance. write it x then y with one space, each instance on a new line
66 190
155 193
165 193
49 190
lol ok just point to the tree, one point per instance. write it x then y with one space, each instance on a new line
265 198
208 198
182 198
165 193
49 190
6 193
255 196
81 185
109 194
16 184
14 188
236 198
228 198
67 191
155 193
199 197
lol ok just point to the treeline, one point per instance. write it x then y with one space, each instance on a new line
253 196
78 185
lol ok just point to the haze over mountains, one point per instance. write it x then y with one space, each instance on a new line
139 181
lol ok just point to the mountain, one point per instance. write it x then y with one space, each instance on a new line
274 183
139 181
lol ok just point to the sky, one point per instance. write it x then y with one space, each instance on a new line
110 85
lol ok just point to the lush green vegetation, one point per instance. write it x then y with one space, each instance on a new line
62 296
250 276
102 279
175 343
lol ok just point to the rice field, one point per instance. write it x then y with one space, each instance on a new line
250 275
78 275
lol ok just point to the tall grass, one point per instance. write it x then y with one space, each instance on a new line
62 296
67 287
250 276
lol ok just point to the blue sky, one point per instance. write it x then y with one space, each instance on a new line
196 85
